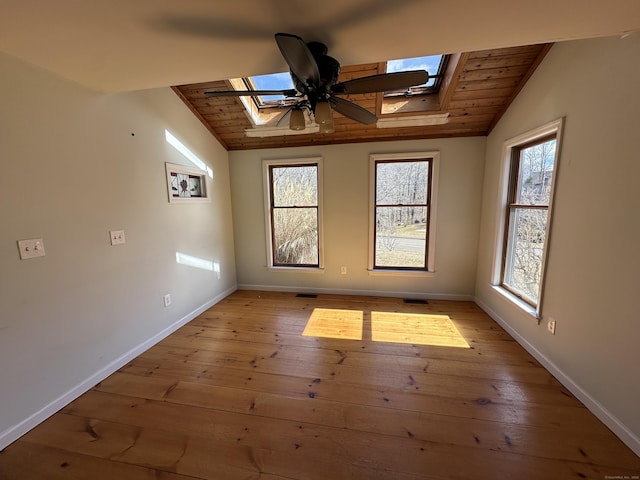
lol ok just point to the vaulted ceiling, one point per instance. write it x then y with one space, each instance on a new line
123 45
478 87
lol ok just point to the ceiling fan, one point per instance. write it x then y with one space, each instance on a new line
315 78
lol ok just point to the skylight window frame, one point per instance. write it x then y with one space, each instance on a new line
430 90
260 103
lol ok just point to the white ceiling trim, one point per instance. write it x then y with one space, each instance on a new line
413 121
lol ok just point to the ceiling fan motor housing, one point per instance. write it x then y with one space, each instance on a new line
328 68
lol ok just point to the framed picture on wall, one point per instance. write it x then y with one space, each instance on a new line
185 184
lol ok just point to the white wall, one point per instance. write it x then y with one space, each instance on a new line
593 277
346 217
75 164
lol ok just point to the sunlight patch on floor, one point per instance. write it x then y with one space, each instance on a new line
391 327
335 323
416 329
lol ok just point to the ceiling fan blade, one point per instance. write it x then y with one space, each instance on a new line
250 93
299 58
383 82
352 110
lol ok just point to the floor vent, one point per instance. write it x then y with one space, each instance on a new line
306 295
416 301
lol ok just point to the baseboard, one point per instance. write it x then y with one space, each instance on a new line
595 407
13 433
349 291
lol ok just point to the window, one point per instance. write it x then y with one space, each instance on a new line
435 66
402 217
293 212
272 81
531 165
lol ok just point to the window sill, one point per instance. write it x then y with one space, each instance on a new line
400 273
295 269
524 306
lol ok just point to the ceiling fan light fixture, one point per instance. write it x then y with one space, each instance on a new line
324 117
297 120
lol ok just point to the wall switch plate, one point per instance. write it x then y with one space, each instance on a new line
117 237
167 299
551 326
31 248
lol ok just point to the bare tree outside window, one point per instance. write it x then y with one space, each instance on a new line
527 215
401 213
294 214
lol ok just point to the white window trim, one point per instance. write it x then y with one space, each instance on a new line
435 166
554 127
267 214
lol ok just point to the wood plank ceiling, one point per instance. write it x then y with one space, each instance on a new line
477 89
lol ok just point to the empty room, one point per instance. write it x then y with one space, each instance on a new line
351 240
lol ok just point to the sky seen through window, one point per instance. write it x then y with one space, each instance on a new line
282 80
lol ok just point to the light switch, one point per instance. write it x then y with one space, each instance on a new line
117 237
31 248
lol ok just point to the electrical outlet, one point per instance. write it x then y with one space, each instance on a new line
551 326
31 248
117 237
167 299
343 270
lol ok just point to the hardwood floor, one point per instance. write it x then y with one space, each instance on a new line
241 393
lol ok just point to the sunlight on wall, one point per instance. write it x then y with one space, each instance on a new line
197 262
334 323
416 329
188 154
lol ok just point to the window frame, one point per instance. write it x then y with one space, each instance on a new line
267 167
260 103
507 196
427 90
433 158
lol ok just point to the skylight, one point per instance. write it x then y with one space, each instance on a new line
272 81
433 64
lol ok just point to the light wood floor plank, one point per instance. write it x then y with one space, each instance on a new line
240 393
387 420
381 372
576 417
